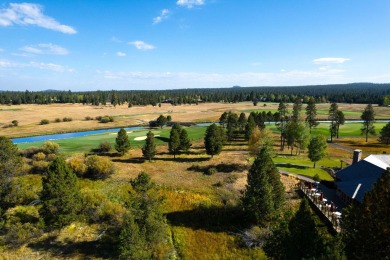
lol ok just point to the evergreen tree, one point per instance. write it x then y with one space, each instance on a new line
297 108
174 142
149 148
10 165
368 117
281 124
144 229
311 114
340 120
122 142
185 143
384 135
366 226
161 121
223 118
61 199
264 192
214 139
317 149
305 241
242 121
249 127
333 110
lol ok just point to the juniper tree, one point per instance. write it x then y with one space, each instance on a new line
161 121
174 142
185 142
214 139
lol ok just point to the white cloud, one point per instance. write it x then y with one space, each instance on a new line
115 39
49 66
328 61
189 3
120 54
45 48
140 45
163 15
31 14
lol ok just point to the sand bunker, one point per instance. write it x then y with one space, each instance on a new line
129 132
141 138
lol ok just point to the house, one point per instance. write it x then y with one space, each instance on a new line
355 180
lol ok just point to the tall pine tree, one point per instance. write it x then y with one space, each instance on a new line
122 142
149 148
61 199
311 114
368 117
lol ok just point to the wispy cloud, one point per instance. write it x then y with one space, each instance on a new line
115 39
120 54
7 64
328 61
163 15
45 48
31 14
143 46
189 3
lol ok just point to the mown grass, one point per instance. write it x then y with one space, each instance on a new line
87 143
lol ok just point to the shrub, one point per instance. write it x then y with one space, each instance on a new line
211 171
88 118
106 119
78 166
57 120
29 152
45 122
99 167
15 122
51 157
50 147
39 156
231 179
104 147
67 119
40 166
98 118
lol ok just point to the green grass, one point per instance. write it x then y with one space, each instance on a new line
87 143
346 130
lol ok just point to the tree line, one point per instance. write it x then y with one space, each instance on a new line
341 93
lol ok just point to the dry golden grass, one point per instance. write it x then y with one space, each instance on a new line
373 146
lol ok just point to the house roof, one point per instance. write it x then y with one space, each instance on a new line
355 180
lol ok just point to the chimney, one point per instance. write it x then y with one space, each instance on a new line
357 156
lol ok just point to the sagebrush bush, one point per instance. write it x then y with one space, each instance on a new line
40 166
39 156
211 171
51 157
99 167
104 147
50 147
78 166
29 152
45 122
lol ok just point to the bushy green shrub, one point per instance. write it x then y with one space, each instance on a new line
39 166
57 120
29 152
51 157
39 156
45 122
78 166
106 119
99 167
15 122
50 147
67 119
104 147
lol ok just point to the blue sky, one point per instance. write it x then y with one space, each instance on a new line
167 44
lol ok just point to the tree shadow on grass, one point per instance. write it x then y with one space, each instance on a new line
215 219
289 165
137 160
202 159
103 248
222 167
164 139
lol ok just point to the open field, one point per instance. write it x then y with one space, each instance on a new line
196 204
29 116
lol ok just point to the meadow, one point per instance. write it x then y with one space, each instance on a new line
196 204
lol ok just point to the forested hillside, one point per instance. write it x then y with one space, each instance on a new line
345 93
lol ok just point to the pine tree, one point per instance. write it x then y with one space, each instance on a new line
161 121
214 139
61 199
368 117
264 193
223 118
185 143
384 135
242 121
366 226
305 240
174 142
297 107
317 149
144 229
149 149
122 142
283 119
340 120
333 120
249 127
311 114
